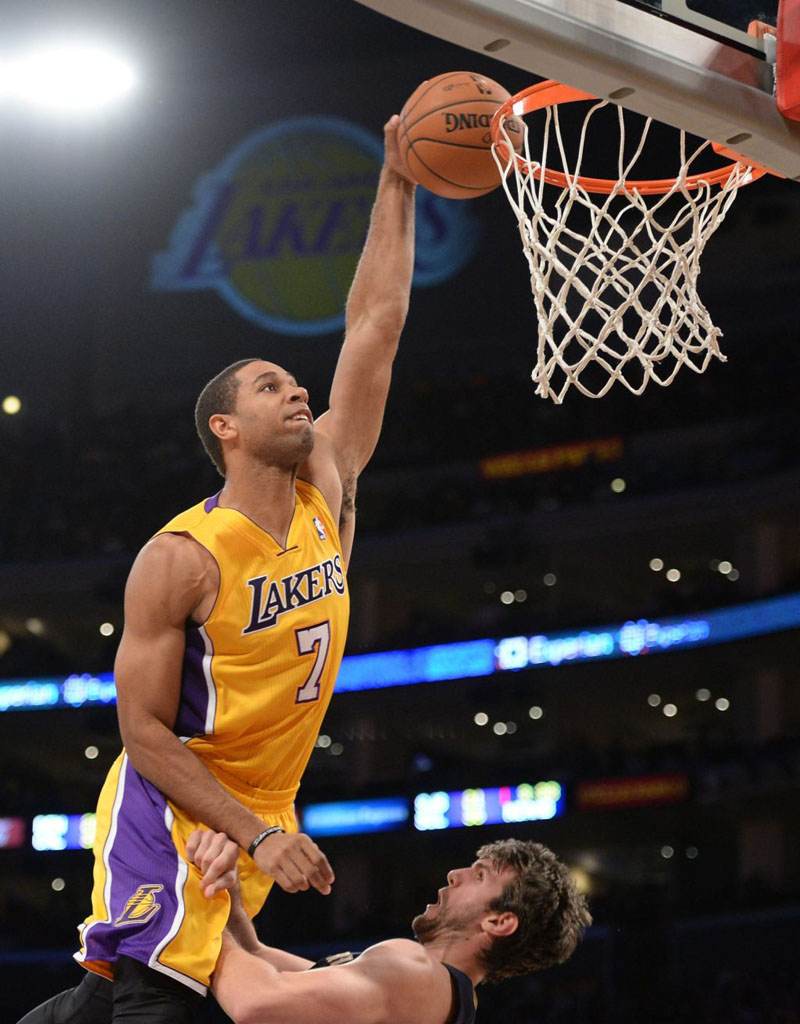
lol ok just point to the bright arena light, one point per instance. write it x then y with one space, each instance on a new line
69 77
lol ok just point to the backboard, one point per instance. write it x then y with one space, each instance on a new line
688 63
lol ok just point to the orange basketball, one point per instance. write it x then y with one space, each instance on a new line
444 134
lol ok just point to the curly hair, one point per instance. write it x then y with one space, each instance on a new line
552 914
218 396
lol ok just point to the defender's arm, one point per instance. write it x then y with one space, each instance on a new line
393 981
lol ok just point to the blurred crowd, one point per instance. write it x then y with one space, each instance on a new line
102 484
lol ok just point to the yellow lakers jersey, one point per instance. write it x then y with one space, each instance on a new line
259 673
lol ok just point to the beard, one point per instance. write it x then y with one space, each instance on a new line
428 929
424 929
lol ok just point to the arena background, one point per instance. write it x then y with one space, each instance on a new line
694 878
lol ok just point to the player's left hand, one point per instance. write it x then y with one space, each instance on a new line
295 862
391 150
216 856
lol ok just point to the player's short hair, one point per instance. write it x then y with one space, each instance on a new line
218 396
552 914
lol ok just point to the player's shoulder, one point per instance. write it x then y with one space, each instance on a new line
402 953
405 947
170 579
416 986
171 558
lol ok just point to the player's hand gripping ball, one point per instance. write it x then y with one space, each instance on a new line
444 134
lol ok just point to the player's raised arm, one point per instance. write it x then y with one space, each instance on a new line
376 311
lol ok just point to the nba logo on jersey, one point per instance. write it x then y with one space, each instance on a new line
320 529
141 906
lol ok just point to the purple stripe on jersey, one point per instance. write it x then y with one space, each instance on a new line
193 709
212 502
143 867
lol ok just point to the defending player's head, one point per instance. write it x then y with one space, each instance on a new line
522 898
552 914
218 396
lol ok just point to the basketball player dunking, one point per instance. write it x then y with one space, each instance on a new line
235 621
515 909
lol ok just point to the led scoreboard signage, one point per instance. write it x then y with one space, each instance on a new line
488 806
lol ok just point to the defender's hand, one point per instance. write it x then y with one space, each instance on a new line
393 160
295 862
216 856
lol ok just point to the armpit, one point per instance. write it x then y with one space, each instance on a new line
348 509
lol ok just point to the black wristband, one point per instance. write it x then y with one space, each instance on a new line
251 849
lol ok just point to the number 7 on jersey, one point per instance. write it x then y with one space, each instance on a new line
313 640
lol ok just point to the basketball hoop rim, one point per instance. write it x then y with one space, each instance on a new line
550 94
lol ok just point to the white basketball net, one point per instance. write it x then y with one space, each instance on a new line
615 287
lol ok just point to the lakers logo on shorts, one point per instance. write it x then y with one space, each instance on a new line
141 906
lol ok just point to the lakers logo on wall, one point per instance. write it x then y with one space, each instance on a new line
141 906
278 228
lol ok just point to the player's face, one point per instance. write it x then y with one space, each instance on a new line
273 413
463 902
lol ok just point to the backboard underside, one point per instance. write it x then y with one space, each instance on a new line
685 77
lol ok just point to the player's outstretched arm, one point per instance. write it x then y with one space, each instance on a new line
376 311
167 584
393 981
